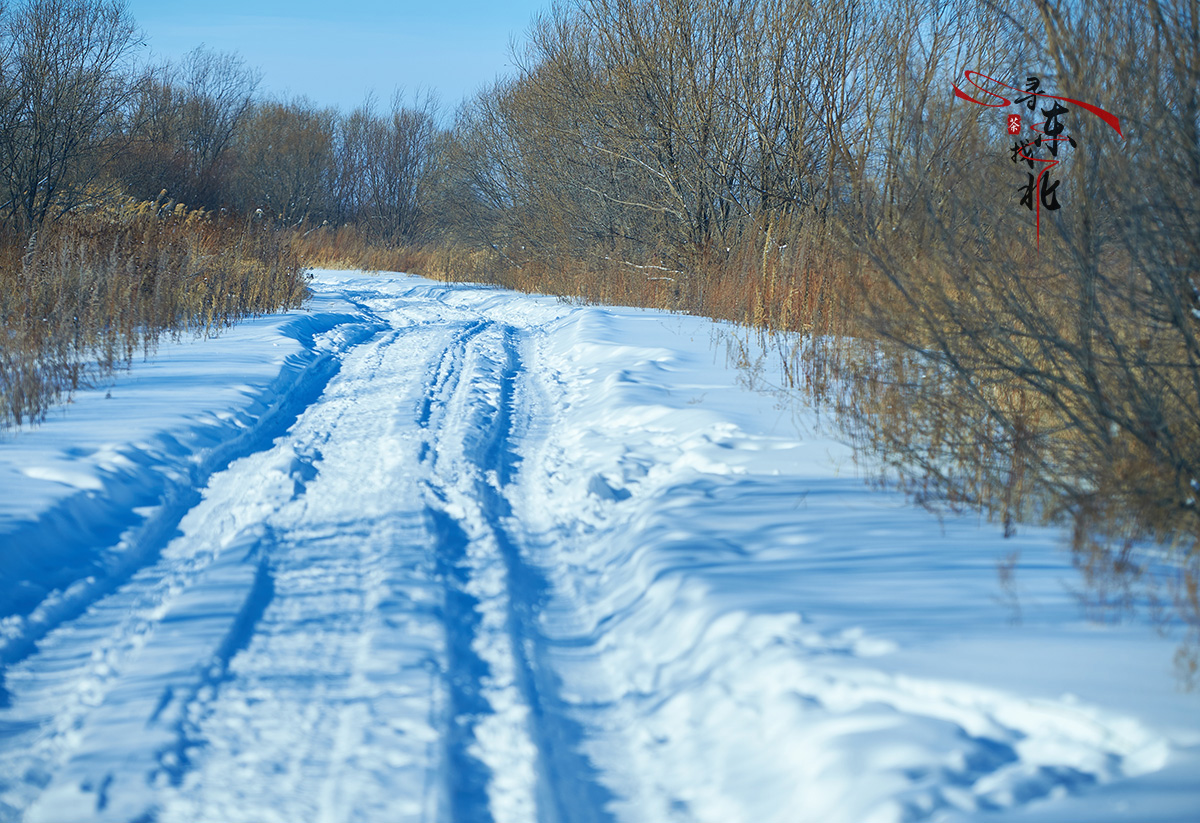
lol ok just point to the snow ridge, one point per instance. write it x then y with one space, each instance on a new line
89 543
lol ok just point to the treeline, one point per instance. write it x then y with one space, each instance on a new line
683 127
84 120
200 135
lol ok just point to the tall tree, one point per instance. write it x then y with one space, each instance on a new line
69 85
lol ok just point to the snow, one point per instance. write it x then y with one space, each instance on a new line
448 553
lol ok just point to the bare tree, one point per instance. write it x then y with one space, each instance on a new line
351 157
1060 377
70 88
394 156
217 92
286 157
183 125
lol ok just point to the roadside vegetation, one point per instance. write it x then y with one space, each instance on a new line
804 168
801 168
86 296
89 275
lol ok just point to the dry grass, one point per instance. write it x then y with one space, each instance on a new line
350 247
79 299
775 279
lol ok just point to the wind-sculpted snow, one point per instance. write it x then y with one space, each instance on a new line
445 553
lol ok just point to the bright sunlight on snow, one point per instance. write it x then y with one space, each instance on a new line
448 553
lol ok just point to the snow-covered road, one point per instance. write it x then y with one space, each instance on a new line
446 553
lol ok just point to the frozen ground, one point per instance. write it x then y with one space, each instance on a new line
452 554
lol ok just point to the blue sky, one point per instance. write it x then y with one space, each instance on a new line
336 52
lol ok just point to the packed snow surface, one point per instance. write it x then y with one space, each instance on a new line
446 553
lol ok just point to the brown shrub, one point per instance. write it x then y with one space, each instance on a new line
82 295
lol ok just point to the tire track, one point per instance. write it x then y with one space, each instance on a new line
341 624
526 740
94 672
136 543
352 645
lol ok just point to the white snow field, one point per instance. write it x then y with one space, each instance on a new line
451 554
